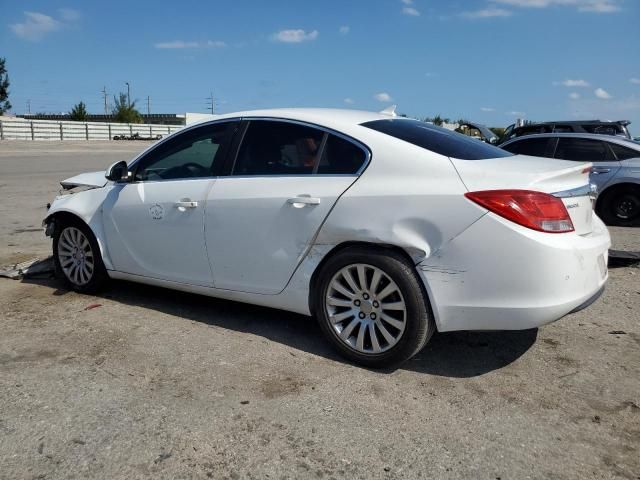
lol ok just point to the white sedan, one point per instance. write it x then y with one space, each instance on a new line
385 229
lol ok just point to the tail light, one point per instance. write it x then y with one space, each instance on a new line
536 210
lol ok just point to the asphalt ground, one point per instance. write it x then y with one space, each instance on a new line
142 382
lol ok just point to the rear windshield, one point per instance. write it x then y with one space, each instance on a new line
437 139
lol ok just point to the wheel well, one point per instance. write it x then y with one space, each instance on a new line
378 247
613 189
60 218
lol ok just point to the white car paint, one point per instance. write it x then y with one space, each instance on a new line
245 241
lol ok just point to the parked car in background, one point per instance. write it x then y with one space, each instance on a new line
615 171
478 131
383 228
598 127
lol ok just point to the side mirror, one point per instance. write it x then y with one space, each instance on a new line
118 172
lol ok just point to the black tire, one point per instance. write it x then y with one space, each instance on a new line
98 275
620 206
419 322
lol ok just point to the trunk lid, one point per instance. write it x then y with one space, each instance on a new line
564 179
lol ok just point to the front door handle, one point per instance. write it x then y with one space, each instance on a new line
302 200
597 170
185 203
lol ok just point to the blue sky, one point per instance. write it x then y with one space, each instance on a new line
486 60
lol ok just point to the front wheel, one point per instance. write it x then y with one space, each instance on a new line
77 258
372 307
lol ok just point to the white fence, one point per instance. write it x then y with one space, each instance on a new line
21 129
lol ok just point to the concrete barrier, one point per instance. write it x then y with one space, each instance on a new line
21 129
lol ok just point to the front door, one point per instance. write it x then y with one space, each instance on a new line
154 225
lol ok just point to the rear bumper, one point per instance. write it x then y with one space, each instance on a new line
497 275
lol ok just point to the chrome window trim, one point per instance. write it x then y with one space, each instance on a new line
357 143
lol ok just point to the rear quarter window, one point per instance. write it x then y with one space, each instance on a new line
437 139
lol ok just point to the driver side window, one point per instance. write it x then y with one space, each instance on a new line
191 154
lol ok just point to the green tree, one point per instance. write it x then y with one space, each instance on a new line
123 112
498 131
437 120
79 112
5 105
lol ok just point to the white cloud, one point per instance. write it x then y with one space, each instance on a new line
635 81
594 6
344 29
407 2
69 14
487 109
573 83
35 26
516 114
180 44
410 11
489 12
349 101
294 36
574 95
602 93
383 97
430 74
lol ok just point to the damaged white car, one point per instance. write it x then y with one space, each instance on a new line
385 229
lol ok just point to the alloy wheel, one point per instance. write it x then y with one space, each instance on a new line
366 308
76 256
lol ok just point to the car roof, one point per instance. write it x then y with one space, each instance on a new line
594 136
327 117
579 122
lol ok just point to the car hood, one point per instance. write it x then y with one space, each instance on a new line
89 179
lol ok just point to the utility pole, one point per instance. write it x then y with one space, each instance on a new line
128 94
211 103
148 105
104 95
29 107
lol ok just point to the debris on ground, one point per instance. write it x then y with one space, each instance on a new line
622 258
92 306
30 268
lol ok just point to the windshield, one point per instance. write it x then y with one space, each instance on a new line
437 139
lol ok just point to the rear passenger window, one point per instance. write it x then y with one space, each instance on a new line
536 147
623 153
341 157
582 150
278 148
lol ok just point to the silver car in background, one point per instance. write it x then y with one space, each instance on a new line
615 171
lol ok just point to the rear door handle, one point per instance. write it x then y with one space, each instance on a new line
597 170
303 200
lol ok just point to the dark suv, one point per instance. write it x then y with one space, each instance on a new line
601 127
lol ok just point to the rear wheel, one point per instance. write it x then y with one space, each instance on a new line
77 257
621 206
372 307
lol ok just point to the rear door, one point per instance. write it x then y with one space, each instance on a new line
605 165
261 219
